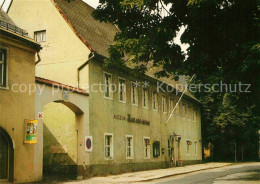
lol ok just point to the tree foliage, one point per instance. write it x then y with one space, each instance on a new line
224 45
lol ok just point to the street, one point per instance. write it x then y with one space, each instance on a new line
247 173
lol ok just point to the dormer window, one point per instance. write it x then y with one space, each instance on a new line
40 36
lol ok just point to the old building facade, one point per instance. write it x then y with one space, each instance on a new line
17 72
121 124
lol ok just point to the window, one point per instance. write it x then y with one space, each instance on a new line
188 142
194 114
147 148
122 90
195 148
40 36
183 110
156 149
129 147
3 68
145 97
171 106
107 85
109 146
177 110
189 112
155 101
134 93
164 107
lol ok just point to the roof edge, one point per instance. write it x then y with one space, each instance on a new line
71 26
60 85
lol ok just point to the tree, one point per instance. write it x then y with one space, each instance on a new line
224 45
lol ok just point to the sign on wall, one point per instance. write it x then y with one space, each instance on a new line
31 130
88 143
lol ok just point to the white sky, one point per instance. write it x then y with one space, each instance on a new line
93 3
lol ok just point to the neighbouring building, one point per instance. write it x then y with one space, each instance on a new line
17 72
101 120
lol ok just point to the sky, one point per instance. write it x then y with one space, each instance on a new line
93 3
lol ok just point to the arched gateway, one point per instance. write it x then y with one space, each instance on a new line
6 156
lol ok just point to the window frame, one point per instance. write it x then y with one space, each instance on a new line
135 88
131 147
187 147
155 94
148 147
194 114
5 85
171 102
110 97
164 104
147 97
156 144
41 32
195 147
111 157
124 90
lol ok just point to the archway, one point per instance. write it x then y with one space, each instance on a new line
6 156
60 139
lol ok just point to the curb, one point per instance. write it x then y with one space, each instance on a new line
166 176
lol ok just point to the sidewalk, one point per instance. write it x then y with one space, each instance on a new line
148 175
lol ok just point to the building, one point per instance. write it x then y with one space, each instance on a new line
100 131
17 73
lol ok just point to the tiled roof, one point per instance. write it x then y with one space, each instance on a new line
96 35
5 18
60 85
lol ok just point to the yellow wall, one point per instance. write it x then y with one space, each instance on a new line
15 107
63 52
59 135
102 121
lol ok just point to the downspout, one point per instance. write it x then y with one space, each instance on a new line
39 59
92 55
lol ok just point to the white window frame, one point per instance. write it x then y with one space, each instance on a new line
124 90
131 147
6 63
187 147
148 147
164 104
155 100
42 35
109 86
194 114
147 97
177 110
134 89
195 147
172 105
111 146
183 111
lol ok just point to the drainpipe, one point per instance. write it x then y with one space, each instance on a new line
39 59
92 55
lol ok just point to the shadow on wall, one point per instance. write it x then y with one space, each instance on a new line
56 160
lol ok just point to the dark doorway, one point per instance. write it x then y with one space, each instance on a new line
6 156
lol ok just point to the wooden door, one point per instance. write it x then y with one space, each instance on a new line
3 157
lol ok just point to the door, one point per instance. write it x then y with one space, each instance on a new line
171 151
3 157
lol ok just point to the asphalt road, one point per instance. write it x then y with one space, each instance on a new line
247 173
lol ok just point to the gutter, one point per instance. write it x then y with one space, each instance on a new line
39 59
92 55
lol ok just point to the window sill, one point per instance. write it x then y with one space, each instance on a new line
145 108
110 158
146 158
4 88
124 102
108 98
129 158
134 105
